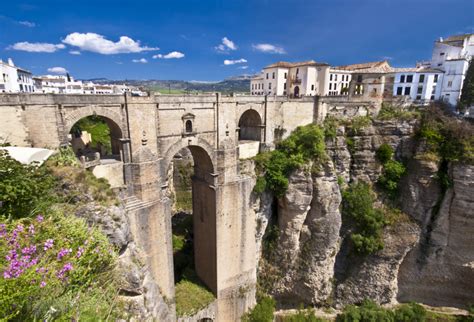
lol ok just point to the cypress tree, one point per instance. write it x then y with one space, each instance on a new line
467 93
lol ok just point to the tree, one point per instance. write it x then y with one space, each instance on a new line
467 94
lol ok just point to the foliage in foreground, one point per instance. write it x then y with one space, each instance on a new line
262 312
358 207
305 144
22 188
55 267
467 94
302 316
391 112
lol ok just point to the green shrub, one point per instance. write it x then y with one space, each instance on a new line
302 316
368 311
411 312
358 206
391 175
390 112
304 144
330 127
24 189
262 312
191 297
384 153
358 123
64 156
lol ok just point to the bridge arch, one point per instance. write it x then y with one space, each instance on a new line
108 114
250 126
204 230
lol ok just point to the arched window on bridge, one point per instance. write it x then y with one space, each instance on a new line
189 126
250 126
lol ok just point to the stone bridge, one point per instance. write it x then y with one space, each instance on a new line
146 134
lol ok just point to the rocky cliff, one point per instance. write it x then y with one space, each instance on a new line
427 255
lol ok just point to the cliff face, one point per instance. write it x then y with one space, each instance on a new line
426 258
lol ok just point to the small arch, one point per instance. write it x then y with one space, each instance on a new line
296 91
189 126
250 126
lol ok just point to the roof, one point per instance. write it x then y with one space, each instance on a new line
370 67
455 40
285 64
421 69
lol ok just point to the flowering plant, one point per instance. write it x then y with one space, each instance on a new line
46 258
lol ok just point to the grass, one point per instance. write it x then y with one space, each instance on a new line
184 200
191 296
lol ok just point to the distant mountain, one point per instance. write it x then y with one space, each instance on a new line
236 84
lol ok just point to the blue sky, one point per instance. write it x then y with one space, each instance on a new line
83 36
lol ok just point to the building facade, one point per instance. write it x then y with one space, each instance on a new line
420 85
298 79
452 55
15 79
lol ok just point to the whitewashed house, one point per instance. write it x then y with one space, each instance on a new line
452 55
420 85
14 79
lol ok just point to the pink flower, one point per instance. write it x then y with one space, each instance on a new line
31 230
80 251
42 284
63 252
39 218
48 244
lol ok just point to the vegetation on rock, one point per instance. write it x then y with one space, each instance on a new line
467 93
53 265
262 312
392 112
98 129
305 144
358 207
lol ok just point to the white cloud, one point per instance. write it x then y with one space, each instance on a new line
243 67
171 55
75 52
233 62
57 70
27 24
269 48
141 60
37 47
99 44
226 45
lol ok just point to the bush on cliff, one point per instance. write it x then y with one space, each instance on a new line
304 144
369 311
358 206
262 312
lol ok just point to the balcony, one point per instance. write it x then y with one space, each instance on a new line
295 80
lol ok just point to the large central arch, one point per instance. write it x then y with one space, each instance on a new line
203 213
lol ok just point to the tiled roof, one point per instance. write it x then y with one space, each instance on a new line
421 69
457 37
285 64
371 67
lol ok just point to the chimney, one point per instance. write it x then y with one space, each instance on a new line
10 62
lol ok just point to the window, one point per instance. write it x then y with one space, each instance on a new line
297 71
330 77
269 85
450 83
359 78
286 75
419 90
284 92
312 87
440 64
407 91
335 77
330 86
432 97
436 78
284 85
399 90
273 75
409 78
422 78
402 79
418 97
267 75
441 54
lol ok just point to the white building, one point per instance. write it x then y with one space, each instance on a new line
419 84
15 79
292 79
452 55
339 81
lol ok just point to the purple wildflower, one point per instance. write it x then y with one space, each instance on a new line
3 230
63 252
39 218
31 229
80 251
29 250
42 284
48 244
12 255
66 268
